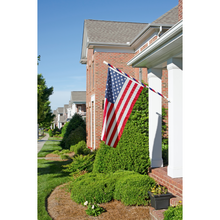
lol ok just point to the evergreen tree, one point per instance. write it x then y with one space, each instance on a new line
45 115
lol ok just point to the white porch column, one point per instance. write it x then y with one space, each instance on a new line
155 118
174 66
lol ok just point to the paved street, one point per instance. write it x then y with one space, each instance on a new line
41 142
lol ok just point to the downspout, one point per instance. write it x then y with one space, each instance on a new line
160 30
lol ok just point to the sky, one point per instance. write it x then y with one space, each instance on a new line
60 30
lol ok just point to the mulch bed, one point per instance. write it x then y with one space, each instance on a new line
61 207
56 157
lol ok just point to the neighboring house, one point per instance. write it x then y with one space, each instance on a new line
77 104
60 117
65 113
55 119
116 43
165 54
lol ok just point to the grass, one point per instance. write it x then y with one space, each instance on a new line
50 175
49 147
55 138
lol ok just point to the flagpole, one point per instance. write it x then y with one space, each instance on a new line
130 77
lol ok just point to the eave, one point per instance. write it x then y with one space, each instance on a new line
169 44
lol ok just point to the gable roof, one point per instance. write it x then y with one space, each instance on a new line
123 34
78 96
169 18
100 31
60 110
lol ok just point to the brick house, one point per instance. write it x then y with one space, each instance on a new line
104 40
116 43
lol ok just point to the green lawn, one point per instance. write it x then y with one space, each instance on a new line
50 175
49 147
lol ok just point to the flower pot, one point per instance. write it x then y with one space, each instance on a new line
161 201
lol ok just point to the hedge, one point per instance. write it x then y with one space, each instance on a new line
132 151
102 188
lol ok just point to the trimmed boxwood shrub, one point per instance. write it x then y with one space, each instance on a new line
77 135
101 188
132 151
63 131
50 133
173 213
133 190
73 124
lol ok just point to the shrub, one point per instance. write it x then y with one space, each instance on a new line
80 148
101 188
80 163
50 133
64 157
133 189
165 151
63 131
73 124
174 213
132 151
93 188
79 134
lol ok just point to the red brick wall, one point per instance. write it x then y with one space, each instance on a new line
180 10
118 60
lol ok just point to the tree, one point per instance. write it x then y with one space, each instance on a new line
45 115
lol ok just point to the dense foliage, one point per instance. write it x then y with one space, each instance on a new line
63 131
133 189
132 151
174 213
77 135
45 115
101 188
80 148
75 122
80 163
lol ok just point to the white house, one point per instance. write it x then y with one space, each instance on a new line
77 104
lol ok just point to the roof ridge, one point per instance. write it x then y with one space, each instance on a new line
117 21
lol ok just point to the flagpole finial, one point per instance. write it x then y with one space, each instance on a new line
105 62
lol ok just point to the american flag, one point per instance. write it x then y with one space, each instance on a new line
120 96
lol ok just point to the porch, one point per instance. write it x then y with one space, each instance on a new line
174 186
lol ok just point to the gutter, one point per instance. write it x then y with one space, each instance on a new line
166 36
147 28
106 44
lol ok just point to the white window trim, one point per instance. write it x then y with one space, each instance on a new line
93 100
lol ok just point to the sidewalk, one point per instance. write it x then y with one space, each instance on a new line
41 142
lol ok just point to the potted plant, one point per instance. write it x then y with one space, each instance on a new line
160 197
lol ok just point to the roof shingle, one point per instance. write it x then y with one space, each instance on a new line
112 31
78 96
170 17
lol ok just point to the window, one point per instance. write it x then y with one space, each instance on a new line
93 75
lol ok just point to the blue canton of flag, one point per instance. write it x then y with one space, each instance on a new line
114 85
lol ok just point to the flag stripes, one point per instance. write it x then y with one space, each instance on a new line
117 113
